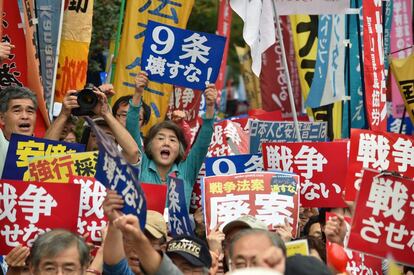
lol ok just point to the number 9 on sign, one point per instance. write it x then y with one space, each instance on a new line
162 36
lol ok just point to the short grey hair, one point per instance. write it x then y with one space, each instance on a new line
15 92
54 242
273 238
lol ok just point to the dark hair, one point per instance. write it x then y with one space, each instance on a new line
53 242
124 100
166 124
318 245
312 220
15 92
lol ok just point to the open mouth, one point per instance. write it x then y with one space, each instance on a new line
165 153
24 126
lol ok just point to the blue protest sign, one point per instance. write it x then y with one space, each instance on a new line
394 125
233 164
115 173
181 57
179 221
284 131
22 147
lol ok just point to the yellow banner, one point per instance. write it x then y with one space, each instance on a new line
305 40
74 47
403 71
138 12
297 247
59 168
251 81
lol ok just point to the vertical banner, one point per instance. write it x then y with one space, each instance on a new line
223 29
328 84
374 73
173 13
74 47
251 81
401 38
383 226
403 69
178 219
48 15
273 82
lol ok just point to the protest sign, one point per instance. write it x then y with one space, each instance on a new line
321 166
31 208
379 151
115 173
271 197
21 148
383 225
178 219
155 195
59 168
181 57
91 216
234 164
284 131
297 247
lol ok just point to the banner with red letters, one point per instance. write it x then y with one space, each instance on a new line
321 166
383 225
31 208
378 151
271 197
351 262
91 216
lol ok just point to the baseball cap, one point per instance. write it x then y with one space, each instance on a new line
305 265
156 225
192 249
246 221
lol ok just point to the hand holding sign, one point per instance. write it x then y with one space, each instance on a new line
112 205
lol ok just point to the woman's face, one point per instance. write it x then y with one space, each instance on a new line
165 148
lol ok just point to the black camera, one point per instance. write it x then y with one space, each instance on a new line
87 100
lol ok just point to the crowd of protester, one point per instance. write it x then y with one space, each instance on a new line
244 243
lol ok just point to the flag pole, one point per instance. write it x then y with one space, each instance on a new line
285 65
52 98
117 40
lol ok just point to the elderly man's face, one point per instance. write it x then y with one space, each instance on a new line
20 117
66 262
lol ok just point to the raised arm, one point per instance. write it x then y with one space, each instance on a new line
69 102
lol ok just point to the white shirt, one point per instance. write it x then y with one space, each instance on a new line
4 146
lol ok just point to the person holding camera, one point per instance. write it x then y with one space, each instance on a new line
165 144
95 102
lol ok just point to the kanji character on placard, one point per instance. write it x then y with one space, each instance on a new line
215 187
41 170
372 226
8 202
109 167
395 235
85 167
174 68
57 149
403 154
174 198
91 199
243 185
35 201
308 159
31 232
78 5
371 151
187 97
194 48
191 73
257 185
312 194
217 137
228 208
255 163
279 158
95 230
272 208
27 149
229 186
156 65
8 76
163 5
62 162
384 192
11 234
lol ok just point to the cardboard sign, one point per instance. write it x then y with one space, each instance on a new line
383 225
269 196
181 57
321 166
31 208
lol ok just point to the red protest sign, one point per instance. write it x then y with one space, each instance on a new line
269 196
321 166
155 195
91 216
378 151
383 224
31 208
229 138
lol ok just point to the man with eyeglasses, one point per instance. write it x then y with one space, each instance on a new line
59 252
